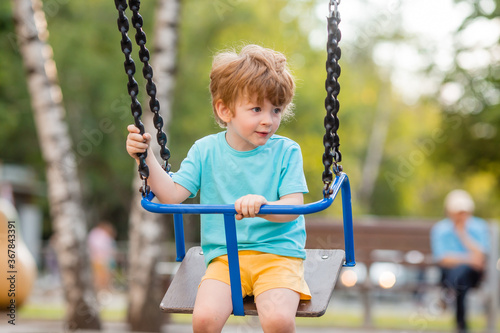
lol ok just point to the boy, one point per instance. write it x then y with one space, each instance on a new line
248 165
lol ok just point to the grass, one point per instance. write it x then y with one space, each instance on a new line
354 320
57 312
348 319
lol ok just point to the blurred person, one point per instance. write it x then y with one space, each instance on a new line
102 250
459 246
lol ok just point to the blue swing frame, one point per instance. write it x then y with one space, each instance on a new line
341 182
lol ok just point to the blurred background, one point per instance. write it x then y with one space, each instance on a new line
419 116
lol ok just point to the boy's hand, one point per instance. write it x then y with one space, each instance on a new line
249 205
137 143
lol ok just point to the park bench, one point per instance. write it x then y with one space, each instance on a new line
408 243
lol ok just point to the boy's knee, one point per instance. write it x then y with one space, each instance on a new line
207 321
278 323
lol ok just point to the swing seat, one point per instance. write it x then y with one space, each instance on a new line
322 268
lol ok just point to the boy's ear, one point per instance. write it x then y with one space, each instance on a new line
223 111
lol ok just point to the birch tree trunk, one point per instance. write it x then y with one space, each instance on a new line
375 150
147 230
63 185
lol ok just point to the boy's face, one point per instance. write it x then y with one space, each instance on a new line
251 124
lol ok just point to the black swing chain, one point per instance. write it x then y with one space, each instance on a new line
332 155
133 88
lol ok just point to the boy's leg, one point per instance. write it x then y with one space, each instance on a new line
212 307
277 308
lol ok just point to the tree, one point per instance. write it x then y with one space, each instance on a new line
147 230
469 95
63 184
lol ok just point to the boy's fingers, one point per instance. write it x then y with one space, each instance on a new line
135 137
237 205
147 137
244 208
133 129
256 208
137 145
251 208
249 205
255 205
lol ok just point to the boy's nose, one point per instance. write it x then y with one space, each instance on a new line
267 118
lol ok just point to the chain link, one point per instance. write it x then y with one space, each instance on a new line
133 88
147 72
332 155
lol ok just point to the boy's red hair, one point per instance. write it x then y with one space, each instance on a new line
255 71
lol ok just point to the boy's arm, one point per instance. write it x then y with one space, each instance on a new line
249 206
162 185
164 188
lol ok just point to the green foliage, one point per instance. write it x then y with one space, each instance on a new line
470 124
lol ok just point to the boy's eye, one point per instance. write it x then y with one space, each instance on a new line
256 109
277 110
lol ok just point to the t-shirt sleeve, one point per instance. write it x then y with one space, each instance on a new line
189 174
292 179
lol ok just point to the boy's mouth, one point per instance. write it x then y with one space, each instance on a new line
263 134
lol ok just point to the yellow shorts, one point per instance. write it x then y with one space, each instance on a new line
262 271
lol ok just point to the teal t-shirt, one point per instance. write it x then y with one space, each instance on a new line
222 175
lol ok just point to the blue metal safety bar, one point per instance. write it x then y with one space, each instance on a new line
341 182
